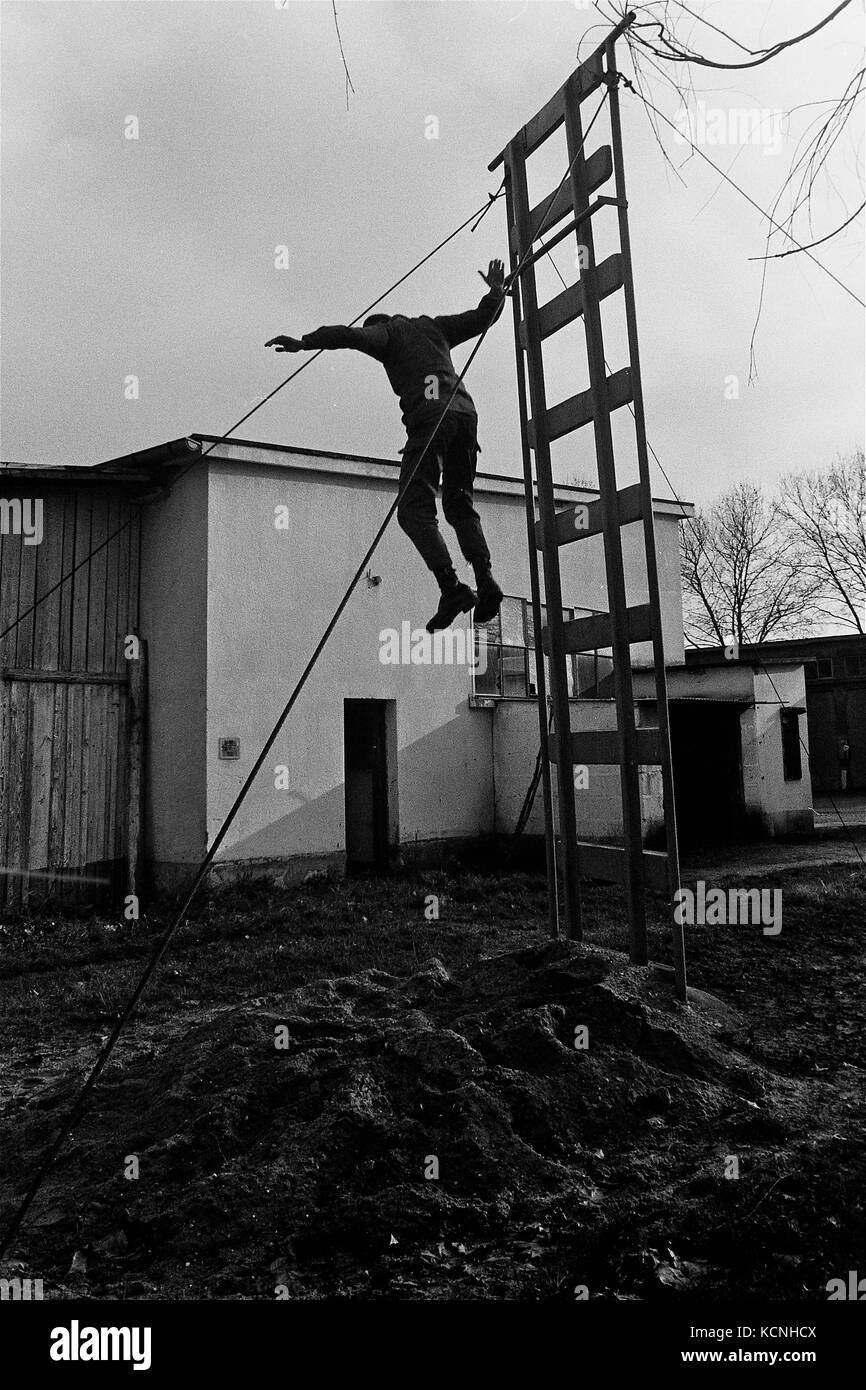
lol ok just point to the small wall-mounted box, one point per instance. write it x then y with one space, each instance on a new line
230 748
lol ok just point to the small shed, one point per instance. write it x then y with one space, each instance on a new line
71 682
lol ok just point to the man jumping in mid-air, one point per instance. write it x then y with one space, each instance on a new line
416 354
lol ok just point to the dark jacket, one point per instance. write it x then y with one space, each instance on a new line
416 354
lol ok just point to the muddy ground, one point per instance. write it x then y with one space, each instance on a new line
327 1094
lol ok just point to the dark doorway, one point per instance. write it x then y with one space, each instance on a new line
823 739
708 777
370 757
837 714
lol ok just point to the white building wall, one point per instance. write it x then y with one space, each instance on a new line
598 803
174 625
235 605
783 807
270 594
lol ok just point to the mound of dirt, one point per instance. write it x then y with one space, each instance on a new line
550 1118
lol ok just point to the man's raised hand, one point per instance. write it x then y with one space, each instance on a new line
495 276
286 344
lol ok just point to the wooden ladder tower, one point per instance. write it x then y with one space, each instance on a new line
629 746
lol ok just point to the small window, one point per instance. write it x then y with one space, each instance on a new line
486 665
529 623
825 668
586 678
605 678
511 622
506 657
492 629
569 677
532 689
513 670
791 760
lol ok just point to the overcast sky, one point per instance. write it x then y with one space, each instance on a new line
155 257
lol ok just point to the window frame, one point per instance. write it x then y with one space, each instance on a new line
497 648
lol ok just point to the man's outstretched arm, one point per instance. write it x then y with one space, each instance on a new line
372 340
459 328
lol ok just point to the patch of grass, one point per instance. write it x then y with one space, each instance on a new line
253 938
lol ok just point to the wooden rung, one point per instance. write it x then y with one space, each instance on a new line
601 747
586 518
552 209
576 412
589 76
608 862
543 247
596 631
569 305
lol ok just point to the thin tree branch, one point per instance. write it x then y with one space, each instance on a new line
795 250
349 83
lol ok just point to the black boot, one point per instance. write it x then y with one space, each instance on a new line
456 598
489 595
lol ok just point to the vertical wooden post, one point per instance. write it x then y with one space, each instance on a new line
136 770
662 714
547 506
629 778
535 589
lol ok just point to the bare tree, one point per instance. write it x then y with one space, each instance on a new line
826 511
669 51
741 577
661 41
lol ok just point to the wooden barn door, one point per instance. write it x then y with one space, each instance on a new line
66 806
69 702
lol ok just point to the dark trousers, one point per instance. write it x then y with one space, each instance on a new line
452 455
